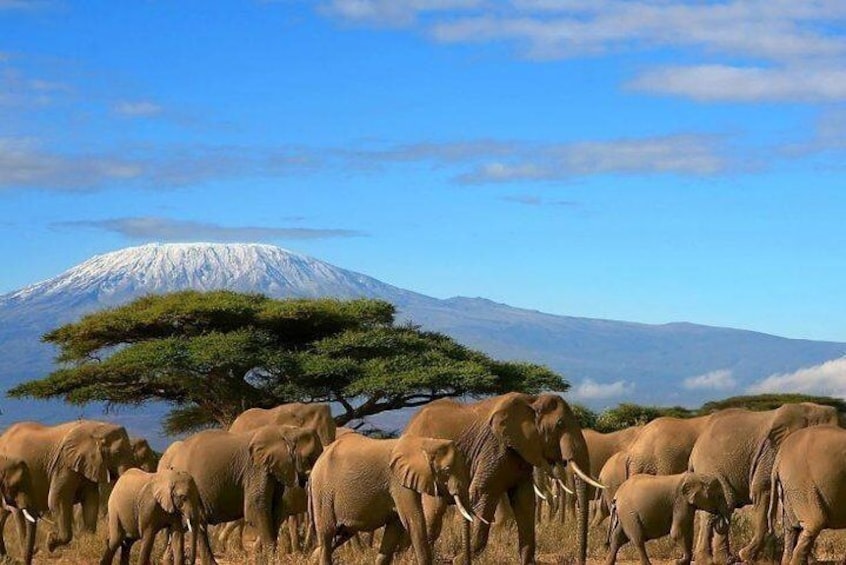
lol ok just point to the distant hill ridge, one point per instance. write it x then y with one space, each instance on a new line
648 362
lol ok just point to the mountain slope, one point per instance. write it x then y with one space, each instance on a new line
650 360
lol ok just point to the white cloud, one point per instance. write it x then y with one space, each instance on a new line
167 229
722 379
138 108
782 37
710 83
592 390
827 379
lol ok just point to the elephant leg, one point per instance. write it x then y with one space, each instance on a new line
721 548
434 508
790 536
294 532
390 540
205 545
4 516
167 556
413 521
760 528
522 499
682 534
64 524
126 550
703 554
805 545
617 539
178 541
147 540
109 555
640 545
20 526
90 508
226 531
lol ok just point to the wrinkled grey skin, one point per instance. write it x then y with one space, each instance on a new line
738 447
809 480
649 507
503 438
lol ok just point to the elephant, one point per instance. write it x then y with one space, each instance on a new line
66 464
649 507
361 484
245 475
809 479
16 492
601 446
502 438
142 503
317 417
145 458
663 446
738 447
612 475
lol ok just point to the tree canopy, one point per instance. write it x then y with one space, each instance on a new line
214 354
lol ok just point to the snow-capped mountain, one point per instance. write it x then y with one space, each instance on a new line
619 360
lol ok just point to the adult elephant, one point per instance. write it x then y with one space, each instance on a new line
145 458
601 446
663 446
317 417
245 475
738 447
502 439
66 464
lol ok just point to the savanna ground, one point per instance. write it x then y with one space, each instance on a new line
556 546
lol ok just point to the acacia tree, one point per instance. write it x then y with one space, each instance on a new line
214 354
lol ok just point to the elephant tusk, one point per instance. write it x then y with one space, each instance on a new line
188 523
108 475
27 515
563 486
435 482
464 512
582 475
538 492
482 520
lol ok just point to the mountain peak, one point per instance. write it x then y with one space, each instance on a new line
115 277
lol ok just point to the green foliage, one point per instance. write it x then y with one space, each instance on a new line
213 355
771 402
626 415
587 418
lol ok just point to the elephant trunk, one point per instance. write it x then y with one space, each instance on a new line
574 452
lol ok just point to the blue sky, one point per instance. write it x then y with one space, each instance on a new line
646 160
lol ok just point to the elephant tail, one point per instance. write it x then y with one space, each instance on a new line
612 522
776 497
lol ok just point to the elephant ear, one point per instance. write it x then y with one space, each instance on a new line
514 422
163 491
82 453
693 488
412 463
787 419
272 451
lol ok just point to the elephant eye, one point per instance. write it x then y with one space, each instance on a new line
559 423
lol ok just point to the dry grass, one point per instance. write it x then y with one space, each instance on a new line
556 546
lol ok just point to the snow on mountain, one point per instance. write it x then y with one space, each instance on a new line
157 268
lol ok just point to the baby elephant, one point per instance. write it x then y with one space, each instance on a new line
361 484
648 507
143 503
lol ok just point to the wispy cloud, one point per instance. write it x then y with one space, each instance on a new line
27 163
17 90
137 108
167 229
718 83
722 379
592 390
777 39
829 378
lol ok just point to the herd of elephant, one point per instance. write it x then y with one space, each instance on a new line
494 459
